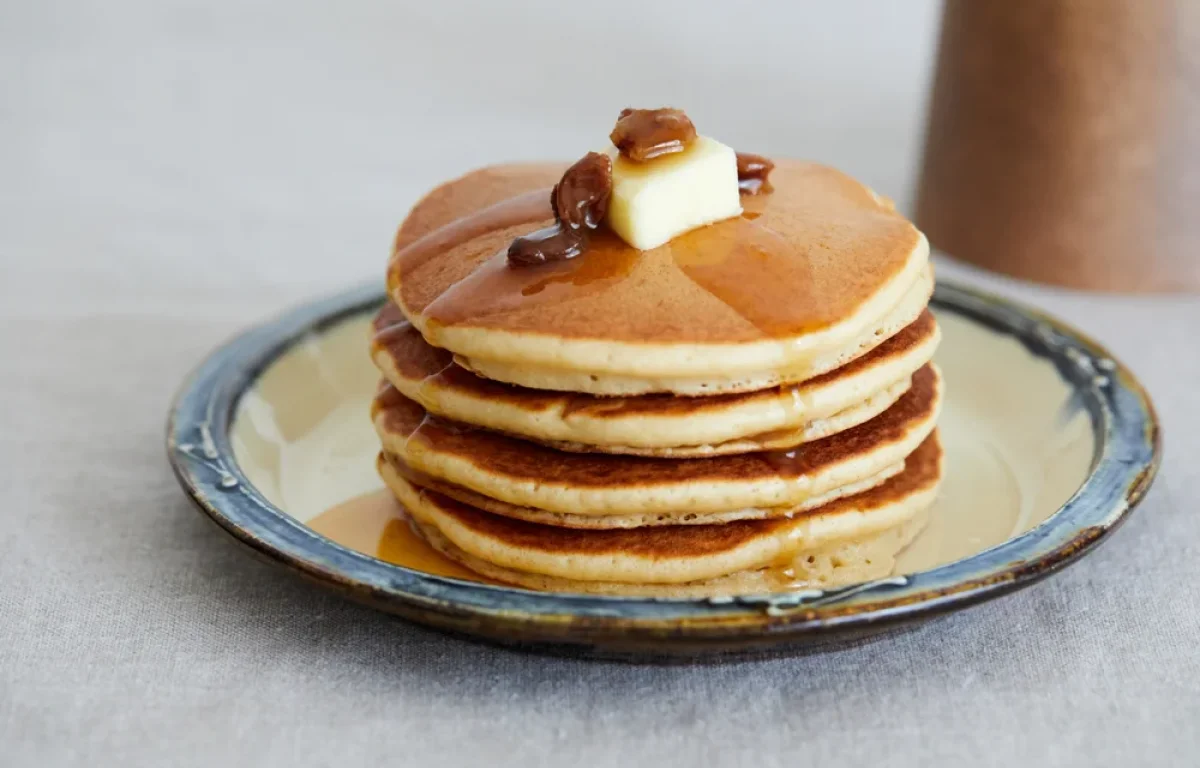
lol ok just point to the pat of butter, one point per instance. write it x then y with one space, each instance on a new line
655 201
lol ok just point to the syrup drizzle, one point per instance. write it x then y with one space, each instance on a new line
493 289
781 282
527 208
751 269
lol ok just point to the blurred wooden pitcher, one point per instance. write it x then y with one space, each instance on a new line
1063 142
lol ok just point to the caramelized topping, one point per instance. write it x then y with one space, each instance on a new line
644 134
554 243
580 199
752 173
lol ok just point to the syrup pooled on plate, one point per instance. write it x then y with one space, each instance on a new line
375 524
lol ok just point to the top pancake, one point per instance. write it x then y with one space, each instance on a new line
805 270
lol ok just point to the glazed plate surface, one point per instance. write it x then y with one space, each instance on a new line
1049 443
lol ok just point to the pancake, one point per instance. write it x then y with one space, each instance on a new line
912 304
632 519
775 440
526 474
654 425
846 541
804 274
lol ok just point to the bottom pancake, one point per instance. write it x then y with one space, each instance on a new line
846 541
852 563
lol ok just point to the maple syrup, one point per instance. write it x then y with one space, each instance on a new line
741 262
375 524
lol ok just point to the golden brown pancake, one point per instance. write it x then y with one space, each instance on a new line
804 365
631 519
802 273
654 425
845 540
749 407
529 475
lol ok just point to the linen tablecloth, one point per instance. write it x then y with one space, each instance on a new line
172 171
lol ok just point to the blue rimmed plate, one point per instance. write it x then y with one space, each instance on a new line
1050 443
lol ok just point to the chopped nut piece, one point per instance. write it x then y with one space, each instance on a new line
580 201
752 173
644 134
554 243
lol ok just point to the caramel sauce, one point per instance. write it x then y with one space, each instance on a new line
375 524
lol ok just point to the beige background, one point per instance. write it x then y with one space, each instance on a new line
172 171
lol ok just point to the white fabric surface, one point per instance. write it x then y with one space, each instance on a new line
170 172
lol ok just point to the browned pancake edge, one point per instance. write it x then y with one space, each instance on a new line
922 472
417 360
497 454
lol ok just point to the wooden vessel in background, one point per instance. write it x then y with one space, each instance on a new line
1063 142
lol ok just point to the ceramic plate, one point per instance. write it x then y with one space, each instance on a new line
1049 441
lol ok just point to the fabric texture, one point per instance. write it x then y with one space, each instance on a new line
174 171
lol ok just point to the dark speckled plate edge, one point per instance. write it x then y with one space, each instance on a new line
1127 455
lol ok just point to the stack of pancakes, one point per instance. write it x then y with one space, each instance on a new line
748 408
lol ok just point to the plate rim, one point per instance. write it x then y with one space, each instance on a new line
1125 461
